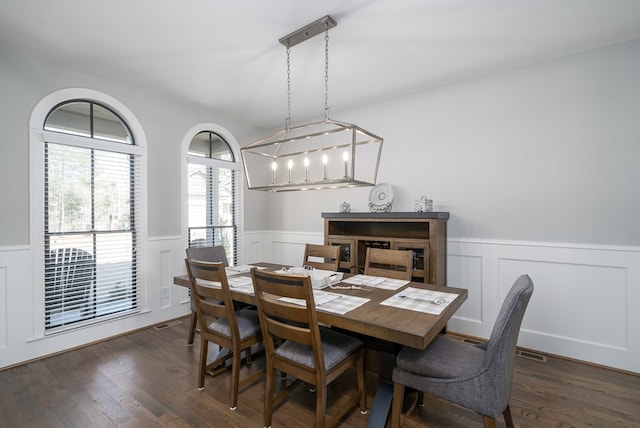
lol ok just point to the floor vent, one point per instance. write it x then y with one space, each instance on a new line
472 341
531 356
167 325
465 339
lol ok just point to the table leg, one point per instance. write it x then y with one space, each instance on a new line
379 411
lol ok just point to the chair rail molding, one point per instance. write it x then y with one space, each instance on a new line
584 307
585 296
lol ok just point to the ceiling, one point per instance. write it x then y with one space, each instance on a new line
225 55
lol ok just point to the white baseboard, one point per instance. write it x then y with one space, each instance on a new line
583 306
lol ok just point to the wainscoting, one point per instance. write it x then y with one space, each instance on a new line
582 307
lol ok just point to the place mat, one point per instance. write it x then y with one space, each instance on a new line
331 302
241 284
235 270
376 281
417 299
344 304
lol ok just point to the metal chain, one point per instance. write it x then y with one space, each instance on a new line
326 74
287 121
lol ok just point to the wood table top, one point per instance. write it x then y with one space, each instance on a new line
389 323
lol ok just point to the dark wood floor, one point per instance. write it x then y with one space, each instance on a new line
148 379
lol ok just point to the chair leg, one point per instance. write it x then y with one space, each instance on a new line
204 350
507 417
192 328
235 378
321 405
269 387
396 404
489 422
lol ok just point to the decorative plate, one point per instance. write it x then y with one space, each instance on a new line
381 198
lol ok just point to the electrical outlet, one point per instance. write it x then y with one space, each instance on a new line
165 292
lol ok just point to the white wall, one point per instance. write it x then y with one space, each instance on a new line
541 153
24 81
537 167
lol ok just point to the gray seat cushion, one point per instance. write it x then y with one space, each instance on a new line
444 358
335 348
248 324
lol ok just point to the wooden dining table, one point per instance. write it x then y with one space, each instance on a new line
379 323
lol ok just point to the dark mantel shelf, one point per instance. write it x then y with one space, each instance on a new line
391 215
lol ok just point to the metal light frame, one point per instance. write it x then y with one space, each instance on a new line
319 155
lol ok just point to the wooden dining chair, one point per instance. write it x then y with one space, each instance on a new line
234 330
214 253
309 353
396 264
478 377
325 257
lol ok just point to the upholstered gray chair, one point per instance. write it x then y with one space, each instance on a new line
215 254
69 281
476 377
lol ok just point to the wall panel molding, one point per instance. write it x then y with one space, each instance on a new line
584 305
4 306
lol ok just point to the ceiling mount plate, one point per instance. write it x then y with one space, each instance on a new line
308 31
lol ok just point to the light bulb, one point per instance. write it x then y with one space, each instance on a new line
345 158
274 167
325 159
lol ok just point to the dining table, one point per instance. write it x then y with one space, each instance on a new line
387 313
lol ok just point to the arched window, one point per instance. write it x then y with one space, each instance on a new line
213 193
91 200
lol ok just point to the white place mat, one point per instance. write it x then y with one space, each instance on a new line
376 281
241 284
331 302
235 270
343 305
417 299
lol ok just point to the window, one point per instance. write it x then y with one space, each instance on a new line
213 189
91 195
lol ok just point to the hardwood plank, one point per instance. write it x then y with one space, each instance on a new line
148 378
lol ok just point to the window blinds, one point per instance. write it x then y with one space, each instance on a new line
213 206
91 213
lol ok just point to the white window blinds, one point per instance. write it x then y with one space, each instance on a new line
213 207
92 192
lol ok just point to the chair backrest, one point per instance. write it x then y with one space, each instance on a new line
211 295
395 264
501 347
70 273
288 321
325 257
208 254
